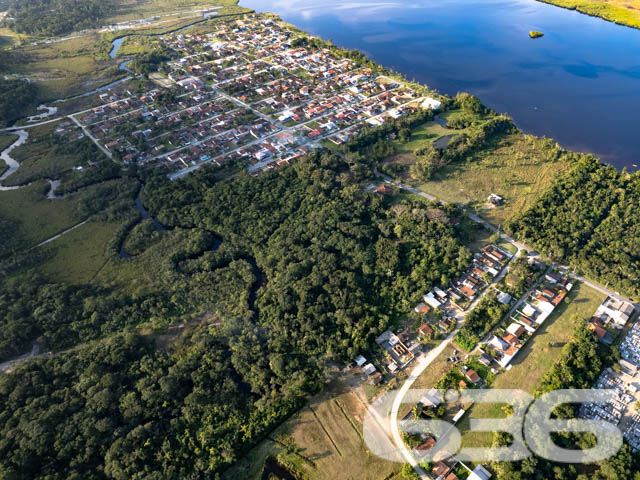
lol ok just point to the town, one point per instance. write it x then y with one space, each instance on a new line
249 92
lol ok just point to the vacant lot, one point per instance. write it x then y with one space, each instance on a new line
328 439
517 167
537 355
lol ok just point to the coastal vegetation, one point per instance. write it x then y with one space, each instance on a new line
618 11
588 217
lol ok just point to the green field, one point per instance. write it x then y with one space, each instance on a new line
33 218
6 140
424 136
537 356
39 159
517 167
66 68
328 442
79 255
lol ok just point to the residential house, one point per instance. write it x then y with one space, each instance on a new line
422 308
479 473
596 327
615 311
430 299
425 330
472 376
369 369
485 360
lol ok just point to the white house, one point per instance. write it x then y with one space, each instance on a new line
479 473
431 104
432 301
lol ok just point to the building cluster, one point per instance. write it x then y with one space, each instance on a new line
613 314
455 470
68 131
487 264
624 381
251 91
400 349
528 316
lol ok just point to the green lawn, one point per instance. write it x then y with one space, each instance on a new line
537 356
423 136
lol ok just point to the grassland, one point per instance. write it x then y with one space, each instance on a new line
623 12
32 217
66 68
5 141
482 236
327 435
39 160
79 255
424 135
537 356
517 167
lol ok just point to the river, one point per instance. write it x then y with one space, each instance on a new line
579 84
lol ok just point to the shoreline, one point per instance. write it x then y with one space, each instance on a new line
607 12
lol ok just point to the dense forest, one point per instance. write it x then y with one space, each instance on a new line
17 97
56 17
589 218
290 269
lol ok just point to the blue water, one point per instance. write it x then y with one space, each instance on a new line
115 46
579 84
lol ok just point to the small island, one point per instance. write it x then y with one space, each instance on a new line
534 34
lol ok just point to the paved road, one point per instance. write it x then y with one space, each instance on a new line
90 135
422 363
426 361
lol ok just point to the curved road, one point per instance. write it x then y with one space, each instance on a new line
425 361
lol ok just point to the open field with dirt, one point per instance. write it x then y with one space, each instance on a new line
327 434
